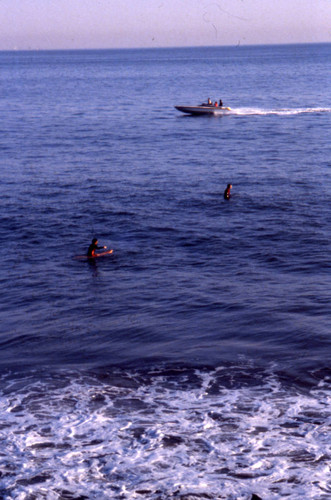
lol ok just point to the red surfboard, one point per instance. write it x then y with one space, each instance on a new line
100 254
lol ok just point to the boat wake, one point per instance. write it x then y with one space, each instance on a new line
279 112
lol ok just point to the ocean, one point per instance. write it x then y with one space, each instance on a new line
194 361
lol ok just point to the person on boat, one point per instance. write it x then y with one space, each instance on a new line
227 194
93 247
220 103
215 104
209 102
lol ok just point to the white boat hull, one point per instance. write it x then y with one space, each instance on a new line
203 110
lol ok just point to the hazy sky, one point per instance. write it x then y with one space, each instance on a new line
65 24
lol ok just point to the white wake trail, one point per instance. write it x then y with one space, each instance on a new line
279 112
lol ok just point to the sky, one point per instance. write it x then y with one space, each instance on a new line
83 24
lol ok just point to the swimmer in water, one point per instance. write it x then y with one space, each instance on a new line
93 247
227 194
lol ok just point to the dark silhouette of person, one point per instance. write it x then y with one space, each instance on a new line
93 247
227 194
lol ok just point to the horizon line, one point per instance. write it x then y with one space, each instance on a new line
174 47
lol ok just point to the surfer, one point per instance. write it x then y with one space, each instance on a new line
227 194
93 247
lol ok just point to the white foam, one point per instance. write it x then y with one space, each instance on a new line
247 111
109 439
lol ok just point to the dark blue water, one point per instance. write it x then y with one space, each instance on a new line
210 315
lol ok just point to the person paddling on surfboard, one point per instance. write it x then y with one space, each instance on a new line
227 194
93 247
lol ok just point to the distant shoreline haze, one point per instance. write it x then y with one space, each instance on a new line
184 47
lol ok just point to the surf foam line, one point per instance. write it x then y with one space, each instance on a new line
166 435
279 112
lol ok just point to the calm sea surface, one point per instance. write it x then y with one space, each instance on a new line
193 362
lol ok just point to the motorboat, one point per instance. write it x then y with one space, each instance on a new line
204 109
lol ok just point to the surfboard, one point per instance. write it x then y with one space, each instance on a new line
99 254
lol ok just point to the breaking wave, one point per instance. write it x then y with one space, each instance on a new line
220 434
